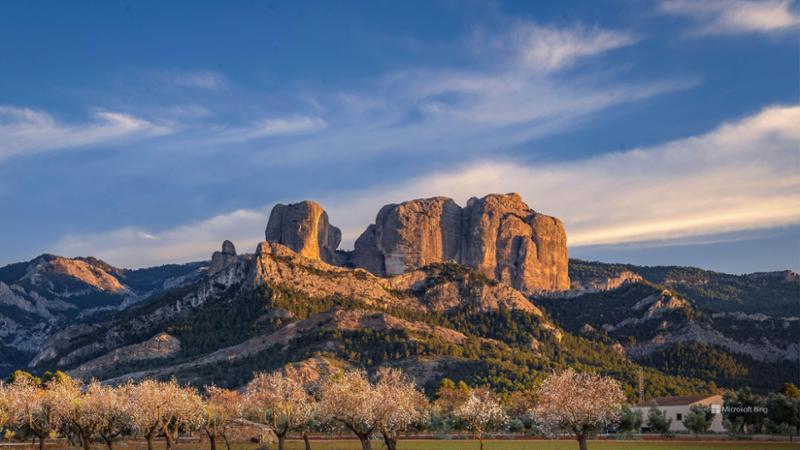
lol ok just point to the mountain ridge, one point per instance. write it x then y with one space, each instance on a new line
301 301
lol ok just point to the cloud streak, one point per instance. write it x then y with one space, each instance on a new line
27 131
519 92
549 49
197 79
716 17
293 125
137 247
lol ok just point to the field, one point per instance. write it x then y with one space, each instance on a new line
550 445
344 444
507 445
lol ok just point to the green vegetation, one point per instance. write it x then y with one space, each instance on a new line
699 419
657 420
698 360
686 359
612 307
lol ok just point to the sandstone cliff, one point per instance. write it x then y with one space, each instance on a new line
498 235
304 228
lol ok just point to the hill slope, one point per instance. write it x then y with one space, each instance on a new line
697 323
277 307
40 296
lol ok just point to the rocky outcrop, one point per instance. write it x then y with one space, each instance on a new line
304 228
436 288
518 246
498 235
160 346
410 235
222 259
599 283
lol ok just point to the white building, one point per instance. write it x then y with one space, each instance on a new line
677 408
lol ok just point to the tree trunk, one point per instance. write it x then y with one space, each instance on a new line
582 441
390 441
41 443
109 444
480 440
149 438
365 442
227 444
281 441
86 440
212 441
305 440
170 440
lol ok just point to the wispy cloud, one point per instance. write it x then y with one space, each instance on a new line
136 247
198 79
26 131
735 16
743 175
514 93
546 49
272 127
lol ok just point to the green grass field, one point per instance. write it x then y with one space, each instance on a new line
461 445
541 445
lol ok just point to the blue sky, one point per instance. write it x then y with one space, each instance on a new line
661 132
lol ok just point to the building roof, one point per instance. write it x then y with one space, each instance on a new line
677 400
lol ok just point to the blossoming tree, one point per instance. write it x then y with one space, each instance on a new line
113 407
280 401
578 403
400 404
222 407
350 399
480 412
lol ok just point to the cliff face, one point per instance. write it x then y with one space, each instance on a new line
304 228
410 235
507 240
499 235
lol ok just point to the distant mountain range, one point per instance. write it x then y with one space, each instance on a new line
482 293
41 296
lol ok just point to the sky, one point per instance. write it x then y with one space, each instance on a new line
660 132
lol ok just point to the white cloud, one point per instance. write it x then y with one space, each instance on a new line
735 16
548 48
504 103
272 127
199 79
134 247
24 130
743 175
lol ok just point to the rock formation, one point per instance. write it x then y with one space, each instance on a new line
222 259
304 228
499 235
410 235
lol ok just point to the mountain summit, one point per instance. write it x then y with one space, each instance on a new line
498 235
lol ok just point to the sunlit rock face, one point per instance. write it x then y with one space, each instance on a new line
304 228
499 235
410 235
